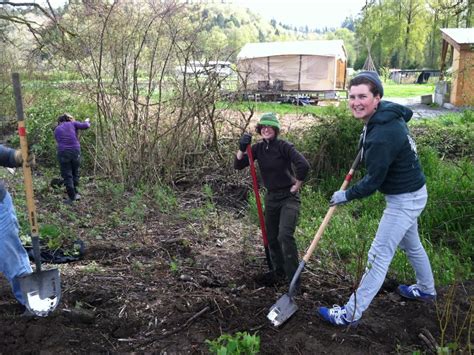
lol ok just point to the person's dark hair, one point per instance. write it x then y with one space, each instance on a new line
369 78
64 118
259 130
362 80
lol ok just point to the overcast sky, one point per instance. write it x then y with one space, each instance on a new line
314 13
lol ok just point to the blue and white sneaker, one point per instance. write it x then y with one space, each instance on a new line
336 316
413 292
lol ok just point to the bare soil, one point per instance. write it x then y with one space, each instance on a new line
169 283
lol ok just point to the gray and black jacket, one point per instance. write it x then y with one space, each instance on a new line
389 154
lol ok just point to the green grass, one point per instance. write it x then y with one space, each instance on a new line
284 109
281 109
407 90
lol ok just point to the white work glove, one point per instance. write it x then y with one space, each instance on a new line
338 198
88 120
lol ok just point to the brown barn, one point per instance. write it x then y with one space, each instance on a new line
293 66
462 85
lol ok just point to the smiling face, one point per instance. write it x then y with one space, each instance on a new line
362 101
267 132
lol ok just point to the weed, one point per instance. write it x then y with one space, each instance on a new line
450 316
53 234
136 209
174 267
240 343
138 266
165 198
92 268
208 198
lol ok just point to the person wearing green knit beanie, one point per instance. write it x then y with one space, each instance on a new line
283 170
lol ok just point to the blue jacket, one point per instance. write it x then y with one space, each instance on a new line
389 154
7 159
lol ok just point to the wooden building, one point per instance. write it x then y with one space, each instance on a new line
461 41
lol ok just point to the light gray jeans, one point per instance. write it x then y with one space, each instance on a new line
397 228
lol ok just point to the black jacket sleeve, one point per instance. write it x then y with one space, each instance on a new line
299 162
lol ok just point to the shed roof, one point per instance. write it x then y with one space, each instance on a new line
333 48
459 35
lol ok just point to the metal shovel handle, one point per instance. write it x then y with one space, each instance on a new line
30 198
331 210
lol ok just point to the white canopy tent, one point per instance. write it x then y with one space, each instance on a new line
293 66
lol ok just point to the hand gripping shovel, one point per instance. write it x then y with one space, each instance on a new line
285 307
259 207
41 289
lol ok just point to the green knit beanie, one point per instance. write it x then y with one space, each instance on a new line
269 119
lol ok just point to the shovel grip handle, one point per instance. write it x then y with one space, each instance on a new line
331 210
27 176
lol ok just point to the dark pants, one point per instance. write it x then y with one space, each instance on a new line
281 215
69 162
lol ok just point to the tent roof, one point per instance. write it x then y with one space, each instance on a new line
333 48
460 35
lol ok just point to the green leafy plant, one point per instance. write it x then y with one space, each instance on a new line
92 268
165 198
208 198
174 266
240 343
136 209
53 235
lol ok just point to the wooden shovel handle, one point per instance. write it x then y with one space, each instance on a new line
27 176
331 210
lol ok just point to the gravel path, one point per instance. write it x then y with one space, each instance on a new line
421 110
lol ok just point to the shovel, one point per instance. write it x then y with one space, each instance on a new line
259 207
41 289
285 307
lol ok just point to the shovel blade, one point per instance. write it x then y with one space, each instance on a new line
282 310
41 291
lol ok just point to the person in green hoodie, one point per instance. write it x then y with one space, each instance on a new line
283 170
393 168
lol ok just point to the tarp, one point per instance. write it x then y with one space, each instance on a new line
333 48
59 256
297 66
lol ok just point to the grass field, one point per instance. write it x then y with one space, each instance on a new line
407 90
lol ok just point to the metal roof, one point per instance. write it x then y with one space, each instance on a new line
332 48
460 35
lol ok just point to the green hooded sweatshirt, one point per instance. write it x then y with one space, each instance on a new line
389 154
